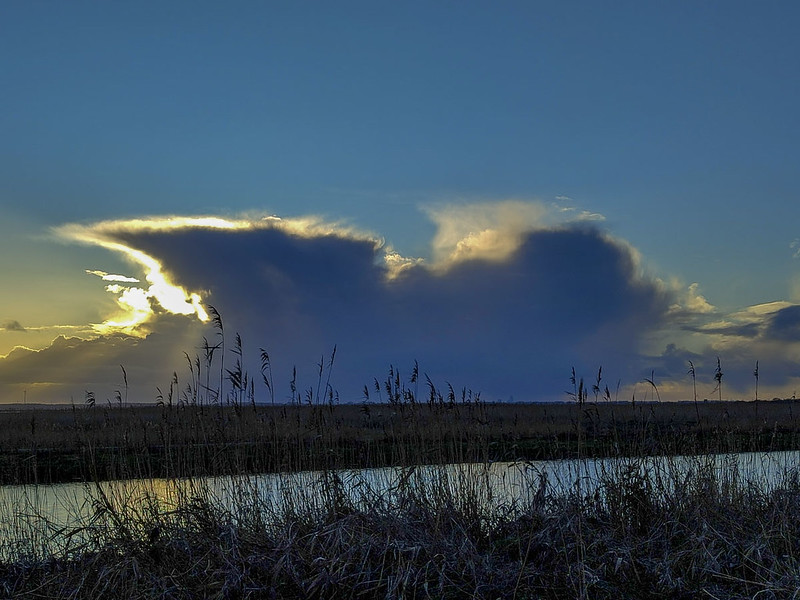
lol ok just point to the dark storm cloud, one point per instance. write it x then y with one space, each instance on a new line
784 324
673 364
12 325
564 297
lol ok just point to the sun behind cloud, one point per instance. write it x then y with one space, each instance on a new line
511 293
137 304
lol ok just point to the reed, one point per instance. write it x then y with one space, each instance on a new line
672 533
179 439
444 521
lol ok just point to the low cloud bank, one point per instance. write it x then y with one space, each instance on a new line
12 325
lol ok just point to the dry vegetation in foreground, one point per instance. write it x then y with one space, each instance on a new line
687 529
688 533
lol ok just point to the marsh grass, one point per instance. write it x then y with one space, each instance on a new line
181 439
439 524
674 532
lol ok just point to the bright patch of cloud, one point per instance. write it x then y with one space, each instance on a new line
756 313
162 290
493 230
135 303
691 301
751 323
697 303
110 277
396 264
488 231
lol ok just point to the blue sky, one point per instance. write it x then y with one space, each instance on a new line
648 150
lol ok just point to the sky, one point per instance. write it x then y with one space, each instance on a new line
497 192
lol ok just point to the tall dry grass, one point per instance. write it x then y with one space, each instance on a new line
687 533
636 528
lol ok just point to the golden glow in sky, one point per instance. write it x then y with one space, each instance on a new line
484 231
138 304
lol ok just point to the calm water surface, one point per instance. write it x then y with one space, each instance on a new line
51 518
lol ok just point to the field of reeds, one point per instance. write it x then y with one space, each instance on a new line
708 535
113 441
641 527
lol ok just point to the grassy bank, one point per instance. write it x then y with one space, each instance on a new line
690 533
87 443
683 529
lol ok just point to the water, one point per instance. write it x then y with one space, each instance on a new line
47 520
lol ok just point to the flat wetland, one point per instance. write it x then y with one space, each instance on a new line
689 528
81 443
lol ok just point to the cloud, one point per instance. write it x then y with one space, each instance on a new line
162 291
579 215
513 296
784 324
12 325
768 333
70 366
493 230
110 277
488 231
690 302
769 322
728 328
